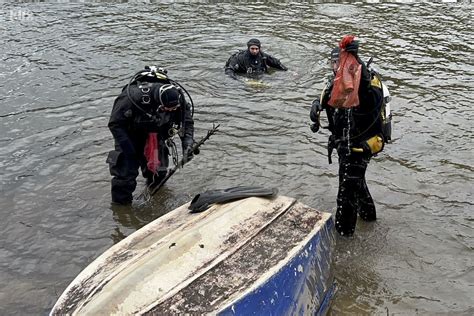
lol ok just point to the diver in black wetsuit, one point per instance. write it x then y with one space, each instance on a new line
252 61
357 136
150 110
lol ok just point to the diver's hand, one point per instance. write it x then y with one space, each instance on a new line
315 127
316 107
188 153
314 115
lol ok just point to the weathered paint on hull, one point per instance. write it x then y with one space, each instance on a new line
203 263
303 286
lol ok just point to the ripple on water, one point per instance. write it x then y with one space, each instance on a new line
62 69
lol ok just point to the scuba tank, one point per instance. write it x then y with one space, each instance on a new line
386 115
385 109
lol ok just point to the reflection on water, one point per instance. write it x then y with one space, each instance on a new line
63 64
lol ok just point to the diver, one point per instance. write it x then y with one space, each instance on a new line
356 133
252 61
149 111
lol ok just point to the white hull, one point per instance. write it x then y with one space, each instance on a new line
197 263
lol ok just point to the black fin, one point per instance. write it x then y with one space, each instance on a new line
203 201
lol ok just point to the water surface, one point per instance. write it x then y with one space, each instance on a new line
64 63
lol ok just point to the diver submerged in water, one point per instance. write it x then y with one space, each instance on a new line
252 61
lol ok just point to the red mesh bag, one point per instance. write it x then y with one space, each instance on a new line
345 92
151 152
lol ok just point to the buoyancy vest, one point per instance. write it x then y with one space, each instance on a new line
243 62
148 116
381 127
376 143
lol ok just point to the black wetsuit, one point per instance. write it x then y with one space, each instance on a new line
245 63
359 123
130 128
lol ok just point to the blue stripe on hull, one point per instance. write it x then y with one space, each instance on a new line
304 286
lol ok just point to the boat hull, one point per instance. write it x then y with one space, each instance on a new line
304 285
250 256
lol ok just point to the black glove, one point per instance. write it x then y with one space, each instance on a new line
352 48
315 109
315 127
314 115
188 153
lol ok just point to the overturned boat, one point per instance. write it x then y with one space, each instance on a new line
255 255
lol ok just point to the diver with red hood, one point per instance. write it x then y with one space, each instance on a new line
252 61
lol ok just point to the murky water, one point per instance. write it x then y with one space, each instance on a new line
63 64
